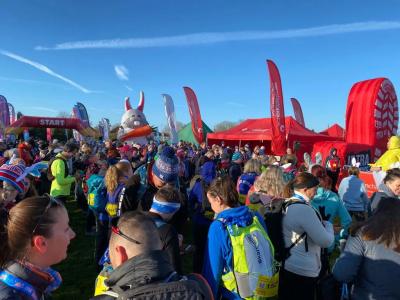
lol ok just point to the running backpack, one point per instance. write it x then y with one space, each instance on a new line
254 273
97 193
273 218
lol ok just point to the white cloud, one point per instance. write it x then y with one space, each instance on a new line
237 104
220 37
129 88
121 72
41 108
44 69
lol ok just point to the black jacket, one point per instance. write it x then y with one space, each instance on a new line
37 282
151 276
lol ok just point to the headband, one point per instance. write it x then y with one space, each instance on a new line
165 207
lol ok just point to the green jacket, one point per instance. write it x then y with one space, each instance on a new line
61 185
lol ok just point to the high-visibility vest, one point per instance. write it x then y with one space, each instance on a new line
254 274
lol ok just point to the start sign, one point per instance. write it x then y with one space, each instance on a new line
52 122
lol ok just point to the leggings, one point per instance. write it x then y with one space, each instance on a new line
296 287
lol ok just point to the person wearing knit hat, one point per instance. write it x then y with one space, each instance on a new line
165 168
235 170
14 181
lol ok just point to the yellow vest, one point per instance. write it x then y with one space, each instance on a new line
255 272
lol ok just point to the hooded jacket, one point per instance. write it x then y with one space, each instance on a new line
334 208
219 253
151 276
391 156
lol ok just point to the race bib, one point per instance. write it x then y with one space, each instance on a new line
111 209
267 286
91 199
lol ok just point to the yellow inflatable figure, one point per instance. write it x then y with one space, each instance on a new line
391 156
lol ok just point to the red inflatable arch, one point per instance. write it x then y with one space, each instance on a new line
50 122
372 114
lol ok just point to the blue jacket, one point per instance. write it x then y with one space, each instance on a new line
218 258
353 193
333 207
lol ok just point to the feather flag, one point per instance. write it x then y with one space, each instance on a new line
11 112
298 112
278 144
170 114
194 111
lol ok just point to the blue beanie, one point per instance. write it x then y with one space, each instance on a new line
166 166
236 156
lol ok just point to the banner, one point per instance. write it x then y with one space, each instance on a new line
48 135
4 112
298 112
11 112
194 111
170 114
105 128
83 115
278 144
76 114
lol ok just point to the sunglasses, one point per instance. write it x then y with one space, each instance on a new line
115 229
51 201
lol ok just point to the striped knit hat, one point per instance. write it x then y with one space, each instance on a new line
10 173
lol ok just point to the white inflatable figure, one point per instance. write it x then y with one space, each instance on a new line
134 126
309 162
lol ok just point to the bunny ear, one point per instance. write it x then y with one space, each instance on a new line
307 158
318 158
357 165
127 104
353 161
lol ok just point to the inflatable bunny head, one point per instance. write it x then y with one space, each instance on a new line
133 118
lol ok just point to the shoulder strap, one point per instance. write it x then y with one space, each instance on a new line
120 199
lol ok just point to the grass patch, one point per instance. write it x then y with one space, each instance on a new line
78 270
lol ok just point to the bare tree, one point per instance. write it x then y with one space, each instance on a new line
224 125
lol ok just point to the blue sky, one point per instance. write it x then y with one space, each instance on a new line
55 53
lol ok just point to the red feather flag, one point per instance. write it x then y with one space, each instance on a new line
194 111
278 144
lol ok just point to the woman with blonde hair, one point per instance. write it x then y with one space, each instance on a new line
116 180
269 185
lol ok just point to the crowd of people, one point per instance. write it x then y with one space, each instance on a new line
257 226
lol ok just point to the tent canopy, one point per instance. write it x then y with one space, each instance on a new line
186 134
259 132
335 131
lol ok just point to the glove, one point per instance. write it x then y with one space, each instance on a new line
325 217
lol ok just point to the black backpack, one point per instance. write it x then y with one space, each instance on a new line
50 175
273 220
